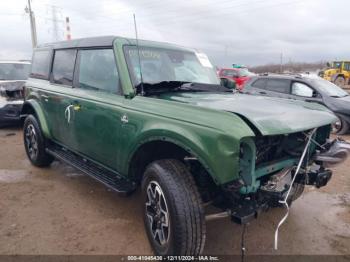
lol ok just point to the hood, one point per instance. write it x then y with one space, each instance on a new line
339 104
271 116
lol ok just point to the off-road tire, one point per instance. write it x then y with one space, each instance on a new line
41 158
344 126
340 81
296 192
186 214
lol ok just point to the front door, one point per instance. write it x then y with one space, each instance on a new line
97 106
301 91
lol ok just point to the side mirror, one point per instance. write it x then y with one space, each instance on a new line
228 83
315 94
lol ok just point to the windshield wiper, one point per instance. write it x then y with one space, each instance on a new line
201 87
180 86
158 87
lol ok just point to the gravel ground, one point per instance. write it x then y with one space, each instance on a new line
59 211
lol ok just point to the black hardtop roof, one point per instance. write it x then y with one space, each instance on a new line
81 42
107 41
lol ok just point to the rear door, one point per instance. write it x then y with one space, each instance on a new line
257 87
97 106
278 87
56 98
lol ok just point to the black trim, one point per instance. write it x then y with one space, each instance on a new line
81 43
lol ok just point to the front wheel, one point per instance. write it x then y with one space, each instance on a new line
173 212
340 81
35 143
340 127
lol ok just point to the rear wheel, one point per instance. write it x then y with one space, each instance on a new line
35 143
173 212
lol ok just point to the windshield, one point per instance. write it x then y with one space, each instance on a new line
329 88
158 65
13 71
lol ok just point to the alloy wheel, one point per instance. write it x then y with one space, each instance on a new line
31 141
336 126
157 213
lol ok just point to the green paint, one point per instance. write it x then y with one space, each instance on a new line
209 126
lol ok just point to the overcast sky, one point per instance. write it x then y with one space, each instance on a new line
250 32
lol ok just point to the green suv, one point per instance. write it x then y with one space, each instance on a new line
154 115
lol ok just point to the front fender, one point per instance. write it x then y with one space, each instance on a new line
32 105
217 152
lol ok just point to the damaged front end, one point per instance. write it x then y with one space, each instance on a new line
275 169
11 101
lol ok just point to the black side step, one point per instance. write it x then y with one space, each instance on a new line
107 177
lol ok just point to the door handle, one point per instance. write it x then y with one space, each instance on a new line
263 93
76 107
67 113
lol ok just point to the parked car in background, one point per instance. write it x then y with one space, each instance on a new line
154 115
239 75
13 75
306 88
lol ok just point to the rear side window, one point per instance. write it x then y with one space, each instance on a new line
260 83
41 64
98 70
63 66
278 85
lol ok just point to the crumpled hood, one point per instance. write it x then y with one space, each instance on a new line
271 116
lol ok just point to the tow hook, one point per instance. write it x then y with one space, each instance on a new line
319 178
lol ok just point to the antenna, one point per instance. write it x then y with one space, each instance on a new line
138 55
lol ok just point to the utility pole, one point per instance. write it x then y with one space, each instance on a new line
28 10
281 63
55 29
68 33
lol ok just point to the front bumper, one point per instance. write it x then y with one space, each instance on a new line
10 111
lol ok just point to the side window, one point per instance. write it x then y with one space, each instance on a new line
300 89
260 83
63 66
98 70
347 66
278 85
41 64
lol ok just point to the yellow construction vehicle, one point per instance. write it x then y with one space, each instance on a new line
337 72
